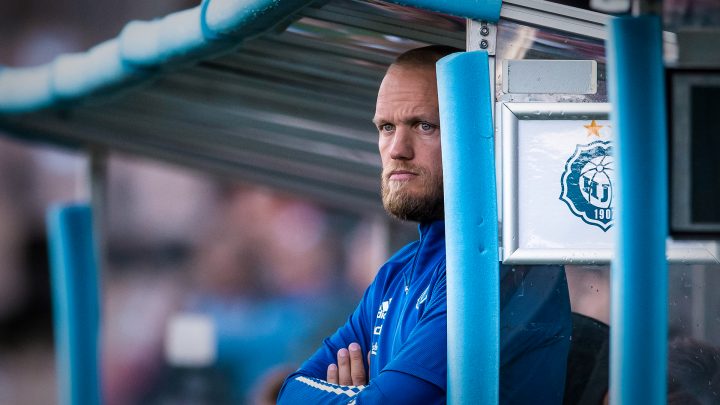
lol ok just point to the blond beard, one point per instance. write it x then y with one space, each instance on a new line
406 205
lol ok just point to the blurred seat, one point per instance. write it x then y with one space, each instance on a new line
586 382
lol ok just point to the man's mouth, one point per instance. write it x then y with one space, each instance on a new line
401 175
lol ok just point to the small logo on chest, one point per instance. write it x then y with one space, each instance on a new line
423 297
382 311
377 330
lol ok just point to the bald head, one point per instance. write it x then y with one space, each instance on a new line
425 57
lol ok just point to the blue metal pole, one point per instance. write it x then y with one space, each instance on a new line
473 272
638 342
76 304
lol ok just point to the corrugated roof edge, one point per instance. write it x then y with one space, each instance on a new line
144 49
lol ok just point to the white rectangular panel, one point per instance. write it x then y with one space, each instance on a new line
558 177
529 76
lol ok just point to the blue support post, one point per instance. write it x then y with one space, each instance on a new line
638 345
473 272
76 305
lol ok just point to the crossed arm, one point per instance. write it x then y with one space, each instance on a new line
413 373
337 374
346 384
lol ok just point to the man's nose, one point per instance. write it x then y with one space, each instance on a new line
402 147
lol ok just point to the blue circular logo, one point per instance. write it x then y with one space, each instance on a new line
587 186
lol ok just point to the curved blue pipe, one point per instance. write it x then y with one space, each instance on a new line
145 48
639 290
473 275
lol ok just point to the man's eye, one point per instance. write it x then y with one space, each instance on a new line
387 127
426 127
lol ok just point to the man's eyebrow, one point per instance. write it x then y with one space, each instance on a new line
425 117
409 120
420 118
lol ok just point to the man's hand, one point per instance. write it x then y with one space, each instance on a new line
349 369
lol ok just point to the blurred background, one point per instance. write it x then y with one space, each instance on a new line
271 273
192 257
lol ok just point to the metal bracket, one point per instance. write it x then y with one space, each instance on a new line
481 35
98 189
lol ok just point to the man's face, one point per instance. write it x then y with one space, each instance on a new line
408 123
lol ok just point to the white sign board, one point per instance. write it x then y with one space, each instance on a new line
558 184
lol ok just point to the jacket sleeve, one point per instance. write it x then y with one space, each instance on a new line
390 387
307 385
355 330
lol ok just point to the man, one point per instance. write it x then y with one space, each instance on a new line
392 349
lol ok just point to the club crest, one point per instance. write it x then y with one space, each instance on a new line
587 186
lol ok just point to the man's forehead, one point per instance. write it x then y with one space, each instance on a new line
408 79
413 91
416 97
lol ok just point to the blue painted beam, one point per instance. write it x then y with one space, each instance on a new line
473 274
638 341
76 304
488 10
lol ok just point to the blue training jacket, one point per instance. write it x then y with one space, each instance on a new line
402 321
